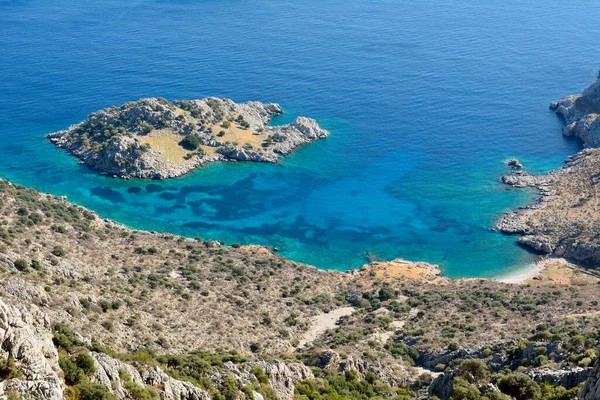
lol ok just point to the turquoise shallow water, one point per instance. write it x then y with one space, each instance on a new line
424 101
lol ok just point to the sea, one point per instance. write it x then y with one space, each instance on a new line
425 102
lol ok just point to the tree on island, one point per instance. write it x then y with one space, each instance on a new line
190 142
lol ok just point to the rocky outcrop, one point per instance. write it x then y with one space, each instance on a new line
582 115
109 372
538 243
591 389
567 378
282 376
118 141
441 386
400 376
513 162
561 220
172 389
27 340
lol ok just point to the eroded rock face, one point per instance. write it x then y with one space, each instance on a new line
27 339
114 141
591 389
582 115
539 243
109 372
567 378
282 376
173 389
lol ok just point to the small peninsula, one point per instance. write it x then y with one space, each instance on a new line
564 220
155 139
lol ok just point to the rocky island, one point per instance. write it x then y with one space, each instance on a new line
156 139
565 219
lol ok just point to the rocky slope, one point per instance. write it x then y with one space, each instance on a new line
152 138
564 220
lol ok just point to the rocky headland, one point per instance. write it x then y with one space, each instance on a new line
156 139
564 220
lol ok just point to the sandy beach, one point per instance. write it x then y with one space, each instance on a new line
526 274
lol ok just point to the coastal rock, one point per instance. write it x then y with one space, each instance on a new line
562 220
539 243
522 179
145 138
582 115
513 162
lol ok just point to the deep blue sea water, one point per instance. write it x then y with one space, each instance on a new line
424 100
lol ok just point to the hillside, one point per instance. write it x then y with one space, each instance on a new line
184 318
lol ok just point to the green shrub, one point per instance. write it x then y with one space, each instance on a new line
461 390
190 142
474 370
9 370
84 361
386 293
58 251
37 264
519 386
21 264
93 391
73 374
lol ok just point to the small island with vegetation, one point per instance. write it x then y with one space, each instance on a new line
156 139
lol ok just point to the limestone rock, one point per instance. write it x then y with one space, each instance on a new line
172 389
539 243
582 115
591 389
282 376
107 374
27 339
567 378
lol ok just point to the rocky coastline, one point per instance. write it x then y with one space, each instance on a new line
563 219
155 139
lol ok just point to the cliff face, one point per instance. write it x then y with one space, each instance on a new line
591 389
582 115
152 138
